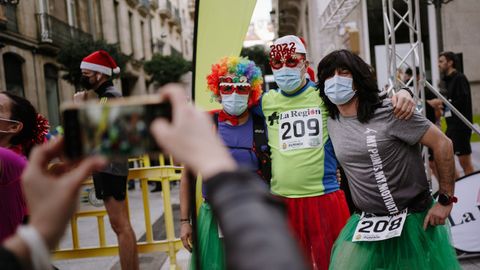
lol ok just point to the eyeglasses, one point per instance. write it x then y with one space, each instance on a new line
241 89
290 61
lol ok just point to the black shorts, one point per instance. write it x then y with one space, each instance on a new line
109 185
461 141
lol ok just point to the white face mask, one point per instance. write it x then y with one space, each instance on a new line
234 104
289 79
339 89
8 120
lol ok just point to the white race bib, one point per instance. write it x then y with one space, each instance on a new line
447 112
379 228
300 129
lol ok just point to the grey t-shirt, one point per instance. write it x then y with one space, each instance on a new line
382 159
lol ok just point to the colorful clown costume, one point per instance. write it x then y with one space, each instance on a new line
236 82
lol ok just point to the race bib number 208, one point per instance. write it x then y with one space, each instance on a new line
379 228
299 129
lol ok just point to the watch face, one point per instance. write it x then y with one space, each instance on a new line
443 199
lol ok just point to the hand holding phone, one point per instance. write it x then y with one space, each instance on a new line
117 129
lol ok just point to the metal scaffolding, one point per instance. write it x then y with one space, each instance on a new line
393 19
335 12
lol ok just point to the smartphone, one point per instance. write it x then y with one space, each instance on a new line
118 128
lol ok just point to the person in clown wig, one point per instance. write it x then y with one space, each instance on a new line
236 83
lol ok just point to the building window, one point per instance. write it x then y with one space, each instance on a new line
117 21
13 66
11 14
98 19
132 39
74 10
51 88
57 9
142 30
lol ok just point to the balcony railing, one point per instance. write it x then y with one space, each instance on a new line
11 15
57 32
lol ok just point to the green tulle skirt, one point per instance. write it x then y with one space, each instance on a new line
414 249
212 254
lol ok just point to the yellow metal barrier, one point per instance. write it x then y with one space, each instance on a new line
171 245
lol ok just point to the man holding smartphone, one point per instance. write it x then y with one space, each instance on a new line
111 182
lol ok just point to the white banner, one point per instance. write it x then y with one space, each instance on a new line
465 216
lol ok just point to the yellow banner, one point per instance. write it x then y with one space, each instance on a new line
221 29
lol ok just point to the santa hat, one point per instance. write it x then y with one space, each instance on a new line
311 73
299 46
100 61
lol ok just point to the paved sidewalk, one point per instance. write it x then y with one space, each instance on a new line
88 233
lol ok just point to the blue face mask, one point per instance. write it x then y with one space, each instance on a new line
288 79
339 89
234 104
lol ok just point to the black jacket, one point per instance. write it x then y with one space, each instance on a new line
458 93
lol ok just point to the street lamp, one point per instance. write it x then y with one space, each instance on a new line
438 17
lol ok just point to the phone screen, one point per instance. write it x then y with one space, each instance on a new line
112 130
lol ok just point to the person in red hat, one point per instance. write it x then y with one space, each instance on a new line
111 182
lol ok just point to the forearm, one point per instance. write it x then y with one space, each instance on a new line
184 195
20 250
244 206
444 161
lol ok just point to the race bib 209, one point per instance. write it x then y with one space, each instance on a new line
300 129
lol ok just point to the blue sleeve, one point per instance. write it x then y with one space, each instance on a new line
257 109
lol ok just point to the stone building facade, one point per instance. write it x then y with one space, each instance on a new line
357 25
32 33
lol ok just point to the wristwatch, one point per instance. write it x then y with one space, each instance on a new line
445 199
408 90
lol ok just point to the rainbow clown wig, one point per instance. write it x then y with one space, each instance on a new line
236 70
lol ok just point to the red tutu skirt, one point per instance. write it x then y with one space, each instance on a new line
316 222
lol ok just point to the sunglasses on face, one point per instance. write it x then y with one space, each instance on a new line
290 61
240 89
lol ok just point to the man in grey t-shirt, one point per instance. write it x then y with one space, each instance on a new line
382 161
